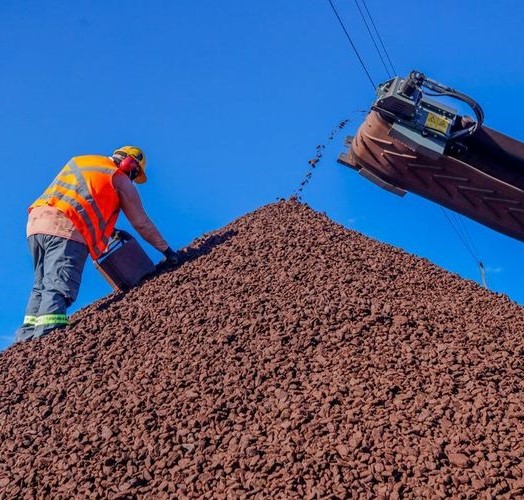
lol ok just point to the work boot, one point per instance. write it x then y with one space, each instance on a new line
40 332
25 332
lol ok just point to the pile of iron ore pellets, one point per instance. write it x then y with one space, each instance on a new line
286 357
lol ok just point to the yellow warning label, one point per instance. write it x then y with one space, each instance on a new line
437 122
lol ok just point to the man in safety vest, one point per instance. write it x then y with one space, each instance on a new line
74 217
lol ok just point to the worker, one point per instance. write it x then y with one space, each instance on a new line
76 217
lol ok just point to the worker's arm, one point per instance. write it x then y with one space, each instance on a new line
133 209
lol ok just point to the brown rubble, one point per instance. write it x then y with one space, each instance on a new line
287 357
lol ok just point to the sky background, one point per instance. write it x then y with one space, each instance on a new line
229 100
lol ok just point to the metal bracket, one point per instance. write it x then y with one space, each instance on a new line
370 176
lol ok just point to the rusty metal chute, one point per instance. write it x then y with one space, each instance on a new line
409 142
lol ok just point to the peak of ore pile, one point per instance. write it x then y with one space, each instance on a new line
287 357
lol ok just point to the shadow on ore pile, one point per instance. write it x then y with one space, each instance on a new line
198 248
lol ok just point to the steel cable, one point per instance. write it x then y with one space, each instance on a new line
467 241
352 44
373 39
379 37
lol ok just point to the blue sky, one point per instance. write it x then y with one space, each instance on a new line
229 100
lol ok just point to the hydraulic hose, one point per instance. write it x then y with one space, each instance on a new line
443 90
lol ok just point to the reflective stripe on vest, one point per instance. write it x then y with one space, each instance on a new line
94 213
82 189
29 320
51 319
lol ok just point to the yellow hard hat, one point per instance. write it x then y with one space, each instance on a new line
139 156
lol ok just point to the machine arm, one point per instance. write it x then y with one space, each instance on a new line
410 142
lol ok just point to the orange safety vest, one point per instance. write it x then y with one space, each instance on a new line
83 190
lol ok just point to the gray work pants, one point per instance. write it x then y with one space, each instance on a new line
58 265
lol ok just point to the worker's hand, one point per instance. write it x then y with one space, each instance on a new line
169 261
170 256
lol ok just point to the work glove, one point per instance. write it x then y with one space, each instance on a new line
170 255
170 259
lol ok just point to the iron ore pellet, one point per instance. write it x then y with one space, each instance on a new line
286 357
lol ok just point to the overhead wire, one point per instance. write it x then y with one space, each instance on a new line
454 224
462 224
373 39
461 231
379 37
352 44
